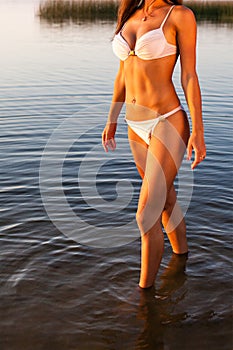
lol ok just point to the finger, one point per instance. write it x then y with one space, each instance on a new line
189 151
104 142
194 164
105 147
198 159
112 144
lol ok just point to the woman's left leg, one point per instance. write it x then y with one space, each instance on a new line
174 223
164 157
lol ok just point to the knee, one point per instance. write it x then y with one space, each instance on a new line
170 200
141 221
169 204
146 221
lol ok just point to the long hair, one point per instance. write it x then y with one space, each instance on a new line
128 7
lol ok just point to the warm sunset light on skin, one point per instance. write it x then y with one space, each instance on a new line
70 245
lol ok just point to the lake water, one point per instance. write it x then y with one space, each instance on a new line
70 249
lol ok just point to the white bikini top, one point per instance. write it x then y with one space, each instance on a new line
151 45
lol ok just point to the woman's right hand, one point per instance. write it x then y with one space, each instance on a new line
108 140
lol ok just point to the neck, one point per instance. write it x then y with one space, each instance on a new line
154 3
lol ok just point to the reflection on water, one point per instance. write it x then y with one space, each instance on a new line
58 294
157 307
173 276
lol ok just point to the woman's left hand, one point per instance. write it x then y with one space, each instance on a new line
197 143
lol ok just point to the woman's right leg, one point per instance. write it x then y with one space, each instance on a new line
152 243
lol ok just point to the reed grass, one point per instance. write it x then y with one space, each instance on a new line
82 10
106 10
215 11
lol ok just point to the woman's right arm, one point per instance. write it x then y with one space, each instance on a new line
118 99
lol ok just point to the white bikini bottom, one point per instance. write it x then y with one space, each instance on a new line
145 128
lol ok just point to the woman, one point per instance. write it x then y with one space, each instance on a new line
150 35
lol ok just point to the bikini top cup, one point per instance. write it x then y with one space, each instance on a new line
151 45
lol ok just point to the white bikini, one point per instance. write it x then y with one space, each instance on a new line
145 128
151 45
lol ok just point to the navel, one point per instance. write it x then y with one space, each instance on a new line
133 100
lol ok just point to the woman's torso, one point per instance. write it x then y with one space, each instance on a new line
149 51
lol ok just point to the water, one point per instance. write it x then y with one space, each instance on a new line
59 293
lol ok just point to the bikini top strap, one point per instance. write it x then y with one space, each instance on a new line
169 11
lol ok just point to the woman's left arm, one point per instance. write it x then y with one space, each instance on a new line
186 36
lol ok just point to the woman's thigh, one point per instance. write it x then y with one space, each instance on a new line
139 150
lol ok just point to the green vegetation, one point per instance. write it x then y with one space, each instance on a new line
216 12
82 10
106 10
